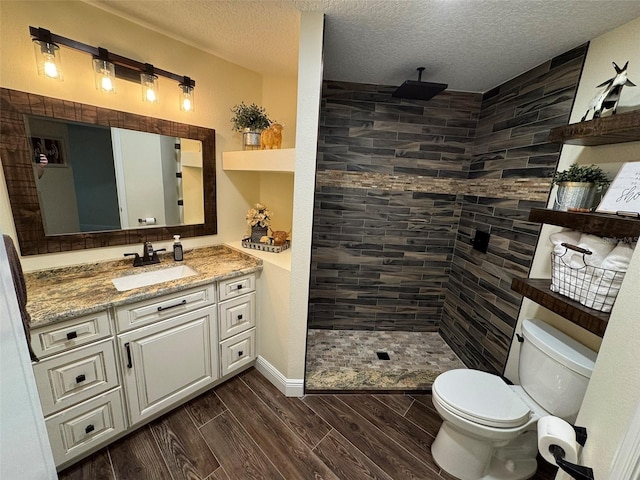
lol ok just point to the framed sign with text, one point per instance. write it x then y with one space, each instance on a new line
623 195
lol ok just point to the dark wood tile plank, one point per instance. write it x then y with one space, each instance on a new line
295 414
219 474
407 433
399 403
426 416
182 446
137 456
289 454
239 456
95 467
204 408
371 441
346 461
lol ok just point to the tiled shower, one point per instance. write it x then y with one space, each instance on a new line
402 187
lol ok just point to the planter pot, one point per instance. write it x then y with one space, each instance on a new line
574 195
251 139
257 233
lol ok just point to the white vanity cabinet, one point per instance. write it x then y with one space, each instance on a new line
77 379
237 313
172 355
101 375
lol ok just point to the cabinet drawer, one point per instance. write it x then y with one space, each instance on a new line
235 287
79 428
238 351
237 315
149 311
71 377
63 336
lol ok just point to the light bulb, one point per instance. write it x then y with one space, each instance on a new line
151 95
50 67
106 84
149 83
186 105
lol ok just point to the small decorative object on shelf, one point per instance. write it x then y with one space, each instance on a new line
577 186
271 137
280 237
259 219
265 247
623 196
607 99
250 120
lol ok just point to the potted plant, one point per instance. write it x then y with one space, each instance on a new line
578 185
250 120
259 219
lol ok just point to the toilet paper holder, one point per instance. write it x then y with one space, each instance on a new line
578 472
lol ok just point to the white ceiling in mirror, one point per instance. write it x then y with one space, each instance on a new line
473 45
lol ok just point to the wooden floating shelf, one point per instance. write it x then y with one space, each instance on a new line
601 224
282 160
618 128
538 291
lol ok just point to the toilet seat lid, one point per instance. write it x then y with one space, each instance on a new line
481 397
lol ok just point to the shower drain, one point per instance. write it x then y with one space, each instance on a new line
383 356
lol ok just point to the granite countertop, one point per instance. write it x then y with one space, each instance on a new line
63 293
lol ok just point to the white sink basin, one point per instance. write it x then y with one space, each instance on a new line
129 282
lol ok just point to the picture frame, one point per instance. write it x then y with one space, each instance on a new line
52 148
623 195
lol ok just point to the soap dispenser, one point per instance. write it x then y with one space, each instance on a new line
177 249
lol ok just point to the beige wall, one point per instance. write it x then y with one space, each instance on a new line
613 393
219 86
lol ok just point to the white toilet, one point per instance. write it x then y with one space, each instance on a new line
489 427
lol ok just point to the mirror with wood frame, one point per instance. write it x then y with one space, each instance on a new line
21 172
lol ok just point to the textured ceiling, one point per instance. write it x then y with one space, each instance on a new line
473 45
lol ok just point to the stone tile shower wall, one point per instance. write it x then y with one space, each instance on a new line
401 188
511 142
383 238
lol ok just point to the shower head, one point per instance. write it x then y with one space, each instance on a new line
419 90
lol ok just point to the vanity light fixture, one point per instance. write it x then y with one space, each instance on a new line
107 66
187 103
149 83
104 72
47 54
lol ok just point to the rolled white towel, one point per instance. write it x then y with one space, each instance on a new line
602 292
618 259
598 246
564 236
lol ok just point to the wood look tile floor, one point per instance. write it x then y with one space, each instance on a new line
246 429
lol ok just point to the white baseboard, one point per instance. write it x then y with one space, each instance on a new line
290 387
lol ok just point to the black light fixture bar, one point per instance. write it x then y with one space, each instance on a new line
126 68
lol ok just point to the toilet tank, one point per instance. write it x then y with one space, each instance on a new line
554 369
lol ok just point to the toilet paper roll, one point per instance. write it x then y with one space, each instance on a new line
147 221
555 431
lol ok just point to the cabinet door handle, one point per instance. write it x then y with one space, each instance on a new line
240 317
72 335
240 353
80 378
239 286
128 348
183 302
89 429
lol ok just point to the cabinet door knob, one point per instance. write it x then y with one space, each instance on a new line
80 378
72 335
239 286
240 317
240 353
89 429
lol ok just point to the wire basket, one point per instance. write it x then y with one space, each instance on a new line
573 277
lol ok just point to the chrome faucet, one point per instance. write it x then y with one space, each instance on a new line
149 255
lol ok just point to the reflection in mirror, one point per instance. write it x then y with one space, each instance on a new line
83 197
98 178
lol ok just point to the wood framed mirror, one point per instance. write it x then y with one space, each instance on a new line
16 152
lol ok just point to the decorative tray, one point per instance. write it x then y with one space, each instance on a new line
265 247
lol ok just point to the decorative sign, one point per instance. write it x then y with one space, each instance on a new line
623 196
